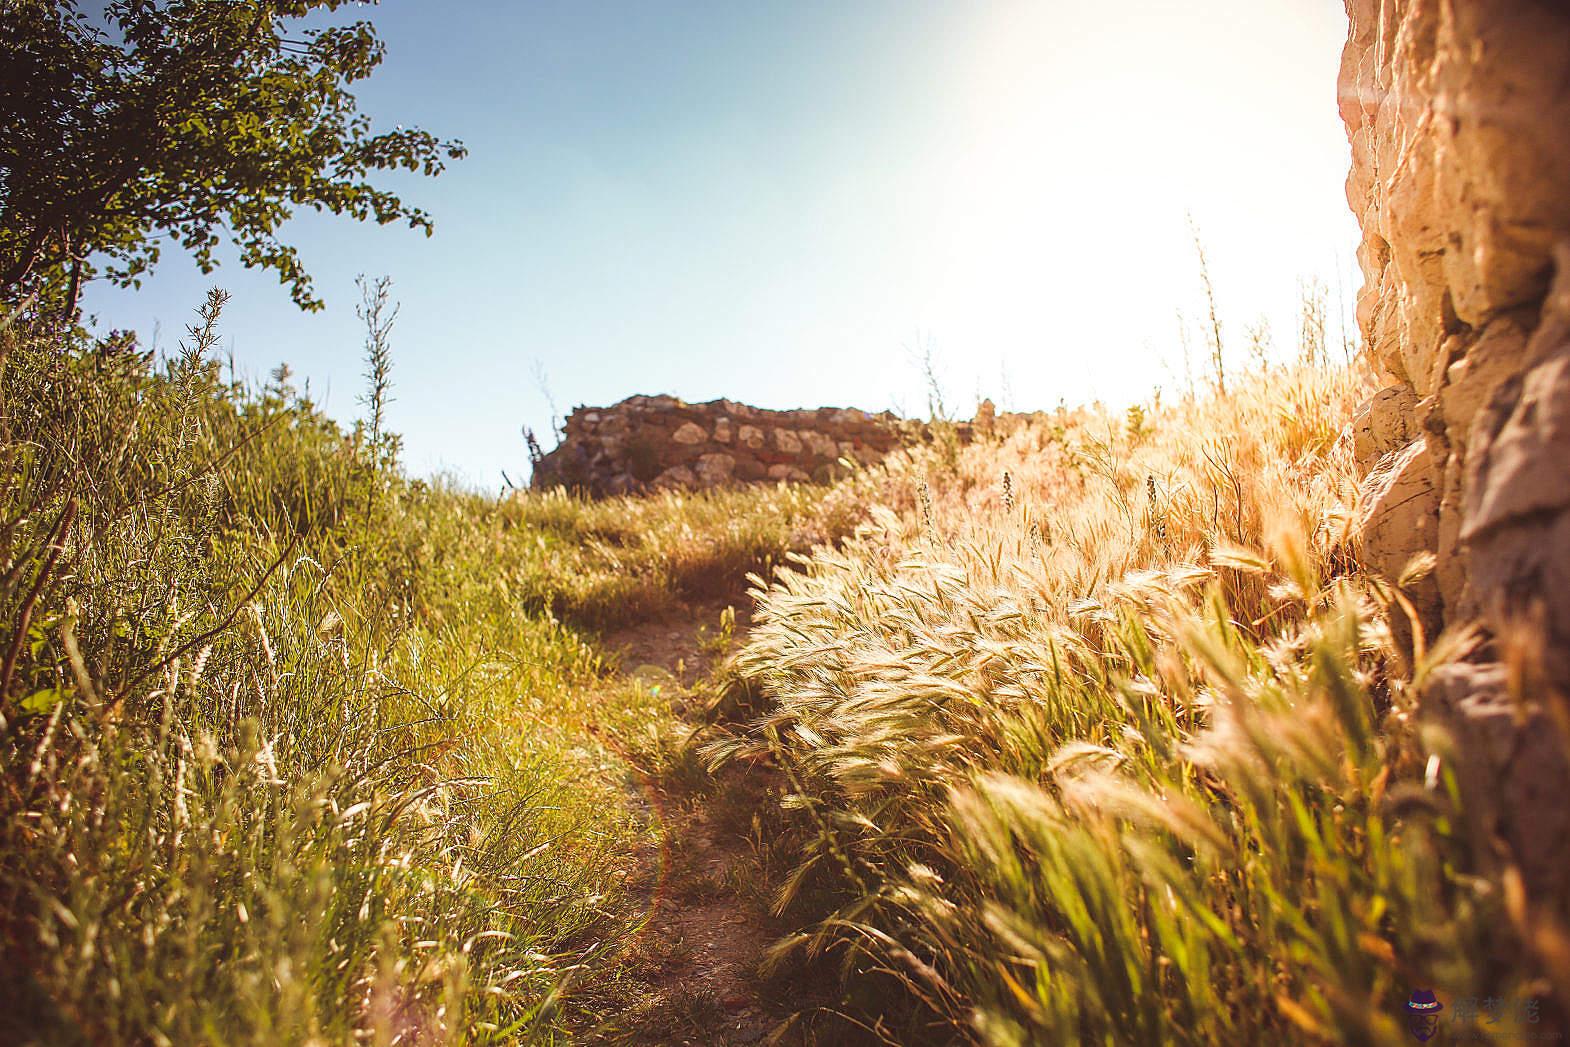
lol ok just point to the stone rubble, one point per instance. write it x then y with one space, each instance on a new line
653 442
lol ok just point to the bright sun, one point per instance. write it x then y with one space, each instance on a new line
1084 141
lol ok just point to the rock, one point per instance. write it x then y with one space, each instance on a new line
1516 497
1385 421
690 433
1456 112
1401 520
749 470
715 469
722 431
787 441
676 476
1511 767
1400 495
986 418
787 472
1470 382
656 403
1456 115
1520 461
750 436
818 445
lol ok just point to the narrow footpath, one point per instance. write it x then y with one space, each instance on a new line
696 961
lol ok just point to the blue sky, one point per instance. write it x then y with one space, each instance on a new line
777 202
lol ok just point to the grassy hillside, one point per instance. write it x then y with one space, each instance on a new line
295 749
1090 729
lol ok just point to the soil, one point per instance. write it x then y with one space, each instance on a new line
695 965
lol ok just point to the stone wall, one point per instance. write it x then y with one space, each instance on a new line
1458 112
648 442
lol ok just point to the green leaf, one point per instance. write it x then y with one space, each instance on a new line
44 701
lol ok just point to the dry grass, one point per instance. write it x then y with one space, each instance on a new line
1097 733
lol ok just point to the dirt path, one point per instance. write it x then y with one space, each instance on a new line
695 964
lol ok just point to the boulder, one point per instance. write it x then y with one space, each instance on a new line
818 444
1511 767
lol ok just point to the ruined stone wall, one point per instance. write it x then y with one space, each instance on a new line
648 442
1458 112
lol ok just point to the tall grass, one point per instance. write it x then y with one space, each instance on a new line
606 562
1101 735
1093 730
294 749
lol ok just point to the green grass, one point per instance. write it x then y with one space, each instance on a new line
1092 729
602 563
295 749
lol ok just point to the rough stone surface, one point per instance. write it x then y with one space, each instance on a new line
1512 769
1401 514
1458 113
659 441
690 433
715 469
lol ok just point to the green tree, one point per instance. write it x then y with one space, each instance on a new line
157 121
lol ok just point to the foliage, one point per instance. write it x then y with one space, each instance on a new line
185 119
292 748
